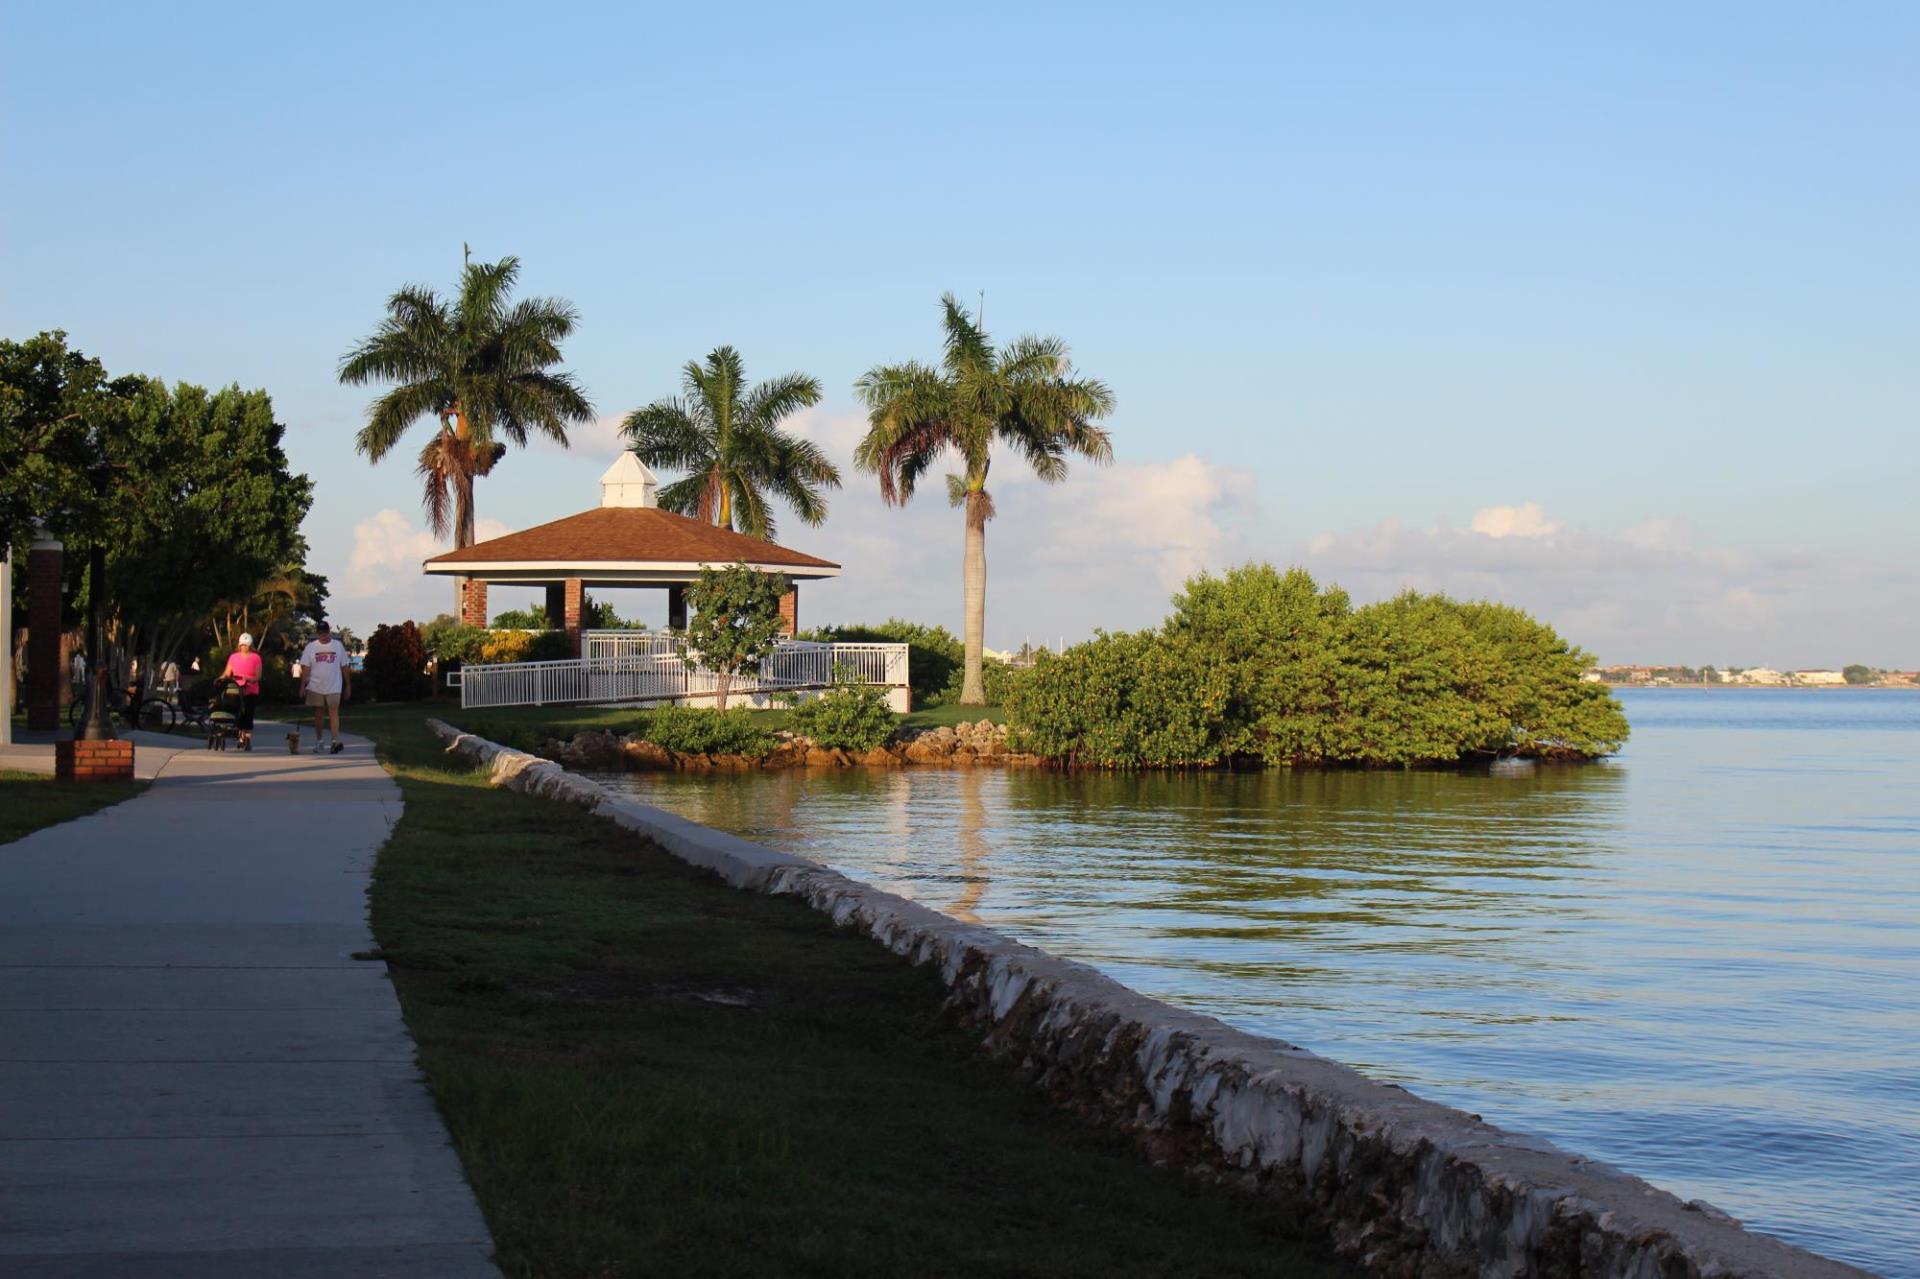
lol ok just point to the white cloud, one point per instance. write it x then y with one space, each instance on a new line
387 552
1527 520
1658 591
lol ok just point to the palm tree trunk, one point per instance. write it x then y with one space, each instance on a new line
973 687
462 506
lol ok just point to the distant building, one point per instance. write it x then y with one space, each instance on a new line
1819 678
1761 675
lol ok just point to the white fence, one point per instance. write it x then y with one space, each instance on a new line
645 666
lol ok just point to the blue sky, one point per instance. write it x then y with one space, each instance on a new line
1633 290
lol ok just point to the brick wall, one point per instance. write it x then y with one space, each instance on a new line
93 761
790 611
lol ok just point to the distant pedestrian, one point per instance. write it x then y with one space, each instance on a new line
77 674
324 682
243 668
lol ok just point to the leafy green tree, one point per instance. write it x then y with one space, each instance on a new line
180 498
1858 674
728 437
1024 395
481 369
594 616
736 622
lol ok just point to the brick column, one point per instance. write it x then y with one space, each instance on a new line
676 608
790 610
45 675
473 603
576 603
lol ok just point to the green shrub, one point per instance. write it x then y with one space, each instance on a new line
694 730
851 717
550 646
1119 701
396 663
1263 665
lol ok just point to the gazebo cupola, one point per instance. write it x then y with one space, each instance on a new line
628 540
628 482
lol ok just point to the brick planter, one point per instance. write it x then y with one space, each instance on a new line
93 761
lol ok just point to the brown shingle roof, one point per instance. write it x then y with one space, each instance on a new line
616 533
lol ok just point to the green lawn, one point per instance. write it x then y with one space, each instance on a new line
29 801
648 1072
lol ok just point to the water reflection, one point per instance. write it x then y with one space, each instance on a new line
1699 962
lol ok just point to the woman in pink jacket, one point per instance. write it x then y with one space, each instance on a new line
243 668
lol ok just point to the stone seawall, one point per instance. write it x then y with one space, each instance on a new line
1404 1186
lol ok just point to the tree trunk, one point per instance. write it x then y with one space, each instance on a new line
723 684
973 687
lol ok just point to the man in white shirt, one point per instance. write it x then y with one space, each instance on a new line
323 682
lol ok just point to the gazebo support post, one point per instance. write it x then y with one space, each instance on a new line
473 602
677 607
790 611
575 606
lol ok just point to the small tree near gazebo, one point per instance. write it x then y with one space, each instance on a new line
736 622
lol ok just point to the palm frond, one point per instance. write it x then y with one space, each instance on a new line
965 341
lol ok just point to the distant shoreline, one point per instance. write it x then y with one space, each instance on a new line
1775 688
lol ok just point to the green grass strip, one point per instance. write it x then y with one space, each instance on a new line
31 801
648 1072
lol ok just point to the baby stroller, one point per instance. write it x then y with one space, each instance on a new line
223 715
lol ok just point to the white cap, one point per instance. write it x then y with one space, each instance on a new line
246 639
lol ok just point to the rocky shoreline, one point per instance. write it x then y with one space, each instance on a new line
963 745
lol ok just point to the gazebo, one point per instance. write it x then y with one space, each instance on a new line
625 541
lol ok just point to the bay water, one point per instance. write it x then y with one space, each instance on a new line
1699 961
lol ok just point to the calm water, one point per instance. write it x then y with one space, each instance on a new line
1700 961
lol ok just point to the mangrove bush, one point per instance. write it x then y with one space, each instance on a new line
1268 667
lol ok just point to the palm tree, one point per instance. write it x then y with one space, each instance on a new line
728 439
482 369
1024 395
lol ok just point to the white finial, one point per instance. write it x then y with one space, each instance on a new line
628 482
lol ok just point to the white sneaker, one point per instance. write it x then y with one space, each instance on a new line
319 748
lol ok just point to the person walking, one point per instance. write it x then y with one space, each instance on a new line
324 682
244 668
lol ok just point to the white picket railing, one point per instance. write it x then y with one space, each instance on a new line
644 674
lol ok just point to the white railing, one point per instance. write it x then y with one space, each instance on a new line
628 643
640 675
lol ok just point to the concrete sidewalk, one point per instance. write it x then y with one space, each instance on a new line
197 1078
32 752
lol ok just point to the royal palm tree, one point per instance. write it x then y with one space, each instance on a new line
1024 395
481 369
728 438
